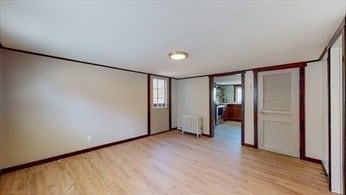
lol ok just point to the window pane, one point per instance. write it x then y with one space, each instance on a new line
154 83
159 93
161 84
238 94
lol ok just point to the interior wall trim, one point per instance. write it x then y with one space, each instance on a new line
170 102
139 72
58 157
79 61
243 108
314 160
255 107
149 103
302 113
62 156
325 170
249 145
211 106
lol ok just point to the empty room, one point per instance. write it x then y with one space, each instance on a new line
172 97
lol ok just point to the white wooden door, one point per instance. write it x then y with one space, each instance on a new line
159 112
278 111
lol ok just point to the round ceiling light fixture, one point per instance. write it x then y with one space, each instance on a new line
178 55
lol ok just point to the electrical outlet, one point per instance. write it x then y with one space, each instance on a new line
88 139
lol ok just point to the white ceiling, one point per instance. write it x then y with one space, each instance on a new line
220 36
228 80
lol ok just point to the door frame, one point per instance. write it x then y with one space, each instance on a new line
149 102
212 104
301 67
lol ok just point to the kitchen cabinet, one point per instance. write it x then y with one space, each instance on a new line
232 112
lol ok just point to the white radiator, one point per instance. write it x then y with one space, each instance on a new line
191 124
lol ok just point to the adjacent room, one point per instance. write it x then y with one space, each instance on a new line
227 97
172 97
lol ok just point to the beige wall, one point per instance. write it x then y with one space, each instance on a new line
52 106
193 98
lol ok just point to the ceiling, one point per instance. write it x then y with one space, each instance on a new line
228 80
220 36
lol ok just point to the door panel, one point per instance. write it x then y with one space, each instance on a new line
159 120
278 113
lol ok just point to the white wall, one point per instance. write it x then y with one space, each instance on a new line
174 104
193 98
249 108
1 113
316 111
51 106
336 108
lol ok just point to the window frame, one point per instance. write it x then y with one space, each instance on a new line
159 101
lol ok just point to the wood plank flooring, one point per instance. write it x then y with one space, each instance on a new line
170 163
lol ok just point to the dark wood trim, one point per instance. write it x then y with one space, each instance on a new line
78 61
206 135
192 77
334 38
329 122
312 160
249 145
302 113
165 131
233 119
211 107
170 102
325 170
255 108
265 68
242 108
280 67
55 158
149 102
227 73
311 61
134 71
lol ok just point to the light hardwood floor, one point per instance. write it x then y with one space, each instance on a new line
170 163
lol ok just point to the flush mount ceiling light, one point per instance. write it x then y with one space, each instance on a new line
177 55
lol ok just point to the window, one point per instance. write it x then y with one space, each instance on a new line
159 93
237 93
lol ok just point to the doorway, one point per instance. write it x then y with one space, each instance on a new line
227 106
159 104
